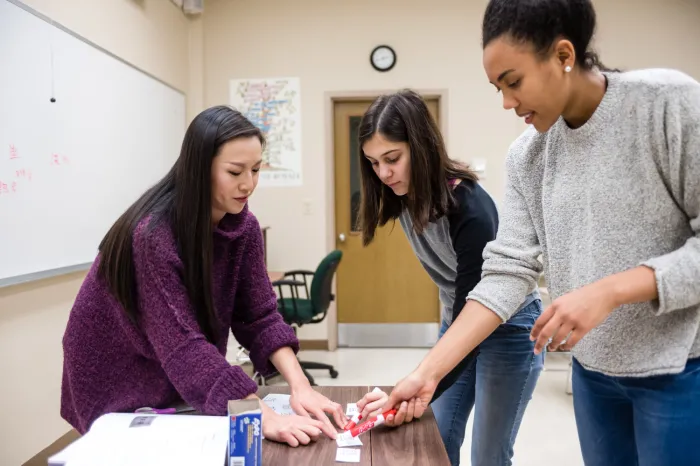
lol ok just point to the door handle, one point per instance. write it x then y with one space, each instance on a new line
341 237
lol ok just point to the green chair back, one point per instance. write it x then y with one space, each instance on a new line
321 285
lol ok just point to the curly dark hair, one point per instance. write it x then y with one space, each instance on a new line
541 23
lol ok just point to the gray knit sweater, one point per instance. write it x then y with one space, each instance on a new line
620 191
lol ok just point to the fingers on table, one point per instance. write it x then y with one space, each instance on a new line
301 436
324 423
289 438
338 414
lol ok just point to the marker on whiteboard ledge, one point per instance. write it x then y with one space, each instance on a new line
370 424
357 417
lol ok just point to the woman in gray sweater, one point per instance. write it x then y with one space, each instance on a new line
605 185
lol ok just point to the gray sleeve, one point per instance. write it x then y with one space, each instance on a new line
678 272
511 266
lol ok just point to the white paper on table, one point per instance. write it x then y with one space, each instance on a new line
348 441
279 403
134 439
351 409
348 455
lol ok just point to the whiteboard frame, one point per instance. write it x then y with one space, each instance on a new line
35 276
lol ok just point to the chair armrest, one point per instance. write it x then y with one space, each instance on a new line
304 274
288 282
299 272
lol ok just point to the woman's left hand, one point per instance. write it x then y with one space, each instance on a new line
306 401
573 315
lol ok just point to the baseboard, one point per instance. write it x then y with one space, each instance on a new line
314 344
388 335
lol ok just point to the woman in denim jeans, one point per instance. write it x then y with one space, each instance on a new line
604 186
448 218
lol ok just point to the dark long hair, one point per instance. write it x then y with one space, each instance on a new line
183 200
542 22
404 117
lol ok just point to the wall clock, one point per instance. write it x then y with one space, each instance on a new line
382 58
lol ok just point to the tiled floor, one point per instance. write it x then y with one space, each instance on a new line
547 434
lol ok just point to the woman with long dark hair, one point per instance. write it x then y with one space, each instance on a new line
179 269
604 185
448 219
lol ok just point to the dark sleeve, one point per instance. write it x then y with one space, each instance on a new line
473 223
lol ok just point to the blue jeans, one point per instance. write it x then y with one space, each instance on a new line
640 421
500 381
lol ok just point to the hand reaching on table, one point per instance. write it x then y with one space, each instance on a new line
307 402
293 429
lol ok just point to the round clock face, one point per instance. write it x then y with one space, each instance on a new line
383 58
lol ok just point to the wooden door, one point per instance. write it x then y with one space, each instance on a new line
384 296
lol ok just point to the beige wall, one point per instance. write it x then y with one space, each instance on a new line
153 35
327 45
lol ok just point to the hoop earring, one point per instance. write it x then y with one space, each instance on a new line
567 69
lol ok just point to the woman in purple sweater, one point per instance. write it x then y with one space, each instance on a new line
182 266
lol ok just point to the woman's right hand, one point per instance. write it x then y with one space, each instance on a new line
292 429
411 397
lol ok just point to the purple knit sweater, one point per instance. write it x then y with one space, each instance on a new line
111 366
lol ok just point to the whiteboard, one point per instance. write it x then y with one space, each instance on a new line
69 168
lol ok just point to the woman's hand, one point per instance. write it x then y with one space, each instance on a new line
306 401
293 430
411 397
572 316
371 404
575 314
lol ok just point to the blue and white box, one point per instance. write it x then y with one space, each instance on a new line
245 433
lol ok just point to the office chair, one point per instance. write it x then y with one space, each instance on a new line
313 308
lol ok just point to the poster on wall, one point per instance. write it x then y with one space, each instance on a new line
274 106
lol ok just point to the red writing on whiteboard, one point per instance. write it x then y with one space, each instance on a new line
22 173
3 188
57 159
14 186
13 152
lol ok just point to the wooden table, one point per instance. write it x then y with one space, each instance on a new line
417 443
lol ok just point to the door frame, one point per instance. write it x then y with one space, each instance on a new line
330 99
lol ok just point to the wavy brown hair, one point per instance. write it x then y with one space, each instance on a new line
404 117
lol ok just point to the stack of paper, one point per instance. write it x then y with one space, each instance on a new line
121 439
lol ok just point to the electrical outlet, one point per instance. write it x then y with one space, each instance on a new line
307 207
